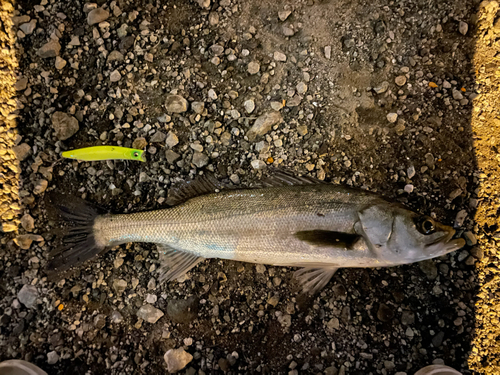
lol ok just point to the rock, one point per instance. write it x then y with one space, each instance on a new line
198 107
381 88
200 159
22 151
21 84
457 95
177 359
100 321
392 117
408 318
408 188
127 42
385 313
225 139
140 143
279 56
287 31
400 80
301 88
410 171
223 364
249 105
477 252
460 218
119 285
115 76
183 311
97 15
328 52
463 27
149 313
429 268
172 140
196 147
446 85
52 357
437 340
28 223
158 137
276 106
65 126
176 104
469 238
115 56
50 49
28 295
253 67
28 27
212 94
40 186
264 124
151 298
116 317
333 324
235 179
60 63
205 4
258 164
171 156
302 130
283 15
213 18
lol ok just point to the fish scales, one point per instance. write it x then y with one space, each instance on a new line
247 225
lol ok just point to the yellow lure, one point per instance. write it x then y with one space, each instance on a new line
104 153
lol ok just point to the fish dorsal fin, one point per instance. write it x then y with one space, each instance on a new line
313 280
328 238
201 185
175 263
284 178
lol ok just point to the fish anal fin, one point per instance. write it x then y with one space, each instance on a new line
328 238
284 178
312 280
201 185
175 263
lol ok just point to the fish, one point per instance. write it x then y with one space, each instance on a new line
287 220
104 153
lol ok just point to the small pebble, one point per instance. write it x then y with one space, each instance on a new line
279 56
392 117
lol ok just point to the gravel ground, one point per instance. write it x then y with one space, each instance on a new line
375 94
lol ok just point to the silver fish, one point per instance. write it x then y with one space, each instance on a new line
287 221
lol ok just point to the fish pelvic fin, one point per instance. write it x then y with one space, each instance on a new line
78 243
312 280
175 263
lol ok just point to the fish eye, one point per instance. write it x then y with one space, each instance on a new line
427 226
136 154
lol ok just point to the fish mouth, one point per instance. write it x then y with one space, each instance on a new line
445 244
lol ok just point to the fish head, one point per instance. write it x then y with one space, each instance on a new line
401 236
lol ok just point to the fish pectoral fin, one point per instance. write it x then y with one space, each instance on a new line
175 263
341 240
313 280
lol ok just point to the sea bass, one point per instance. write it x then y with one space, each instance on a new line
286 221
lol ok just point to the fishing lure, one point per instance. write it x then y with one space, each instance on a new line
104 153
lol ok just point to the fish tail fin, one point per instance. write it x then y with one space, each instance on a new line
77 242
